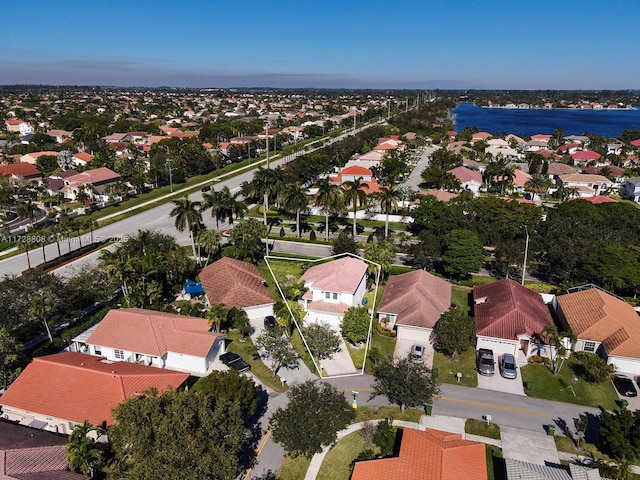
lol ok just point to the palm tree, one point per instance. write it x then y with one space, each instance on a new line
41 308
355 194
117 264
27 209
214 201
188 216
328 198
388 197
295 199
217 315
24 247
209 240
266 183
556 342
83 453
538 184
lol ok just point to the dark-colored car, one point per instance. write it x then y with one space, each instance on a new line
235 361
624 386
206 188
485 361
270 321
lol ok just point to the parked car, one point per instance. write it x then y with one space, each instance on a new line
624 386
485 362
206 188
270 321
508 367
235 361
417 353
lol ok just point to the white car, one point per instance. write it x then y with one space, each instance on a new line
417 353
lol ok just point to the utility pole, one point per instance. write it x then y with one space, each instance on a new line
526 250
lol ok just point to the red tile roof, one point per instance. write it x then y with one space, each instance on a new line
597 200
21 169
418 298
234 283
635 143
506 309
585 156
154 333
430 454
465 174
598 316
356 170
340 275
96 175
77 387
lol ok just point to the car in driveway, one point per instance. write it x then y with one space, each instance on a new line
624 386
270 322
508 367
417 353
235 361
485 361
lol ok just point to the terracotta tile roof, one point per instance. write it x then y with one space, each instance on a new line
505 309
34 460
598 199
154 333
83 156
465 174
328 307
441 195
635 143
340 275
356 170
615 171
21 169
595 315
77 387
430 454
585 156
234 283
418 298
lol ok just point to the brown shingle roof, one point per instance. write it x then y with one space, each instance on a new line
234 283
418 298
430 454
77 387
595 315
505 309
154 333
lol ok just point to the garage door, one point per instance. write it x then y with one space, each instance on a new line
418 335
626 365
498 346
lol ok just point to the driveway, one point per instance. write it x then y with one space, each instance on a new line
403 349
634 402
340 362
528 446
498 383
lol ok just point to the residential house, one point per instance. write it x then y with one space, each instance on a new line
429 454
29 453
237 284
598 199
19 126
631 189
412 303
586 185
509 318
604 324
59 136
333 287
353 172
542 137
94 182
469 179
159 339
57 392
480 137
555 169
615 172
569 148
55 181
583 157
441 195
21 173
32 157
81 159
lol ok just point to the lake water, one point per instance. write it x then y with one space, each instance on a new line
527 122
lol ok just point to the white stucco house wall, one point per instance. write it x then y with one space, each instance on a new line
333 287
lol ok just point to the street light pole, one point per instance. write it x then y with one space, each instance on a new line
169 162
266 131
526 251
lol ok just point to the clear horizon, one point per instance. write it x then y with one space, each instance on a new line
285 44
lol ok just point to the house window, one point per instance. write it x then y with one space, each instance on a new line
97 350
335 296
327 295
119 354
589 347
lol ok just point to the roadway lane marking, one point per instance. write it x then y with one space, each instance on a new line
263 442
491 405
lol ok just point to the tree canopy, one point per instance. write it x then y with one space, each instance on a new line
355 324
454 332
315 414
230 386
462 253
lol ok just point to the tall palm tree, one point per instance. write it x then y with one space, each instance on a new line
355 195
117 264
24 247
27 210
388 198
266 183
295 199
538 184
83 453
188 216
329 199
41 308
209 240
217 315
214 201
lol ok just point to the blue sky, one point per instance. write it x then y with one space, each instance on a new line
502 44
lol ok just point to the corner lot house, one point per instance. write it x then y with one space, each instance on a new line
237 284
333 288
603 324
412 303
508 319
431 454
60 391
159 339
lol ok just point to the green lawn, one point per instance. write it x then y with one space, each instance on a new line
366 413
281 269
297 343
337 463
249 353
294 468
460 296
381 346
550 387
480 427
565 444
466 365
